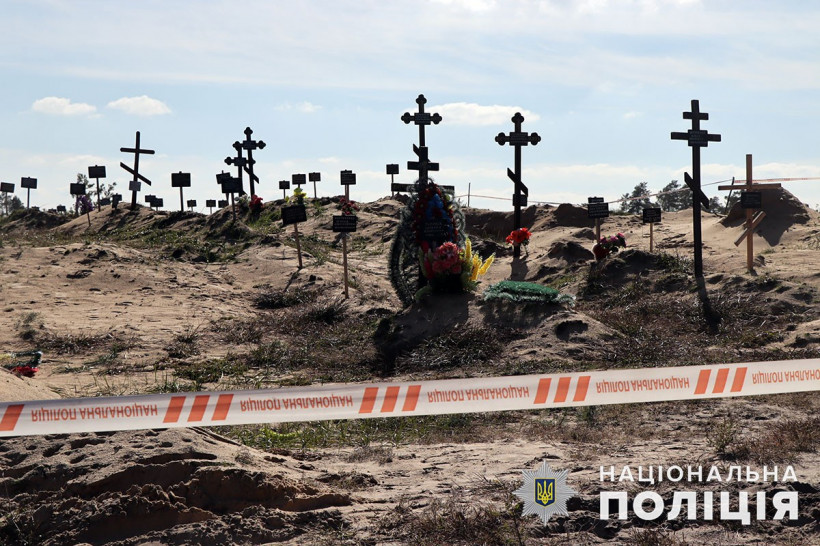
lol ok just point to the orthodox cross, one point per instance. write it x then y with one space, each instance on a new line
250 146
750 199
697 138
240 163
135 183
517 139
422 119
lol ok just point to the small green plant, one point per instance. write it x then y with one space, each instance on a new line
722 436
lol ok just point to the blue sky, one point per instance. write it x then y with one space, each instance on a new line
324 84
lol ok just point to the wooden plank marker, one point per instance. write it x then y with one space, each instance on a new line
29 184
134 186
597 209
315 177
345 223
697 138
191 204
750 199
392 170
232 186
284 185
6 188
651 216
210 203
97 172
180 180
517 139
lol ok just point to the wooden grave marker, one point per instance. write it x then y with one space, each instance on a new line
30 184
295 214
249 146
134 186
210 203
651 216
392 170
222 203
105 201
750 199
284 185
6 188
191 204
230 186
315 177
61 209
77 190
696 138
518 138
597 209
96 172
115 200
345 223
180 180
298 180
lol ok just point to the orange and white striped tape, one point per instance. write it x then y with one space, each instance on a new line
409 398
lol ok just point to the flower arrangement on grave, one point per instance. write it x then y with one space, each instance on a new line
25 368
84 204
520 236
255 204
448 268
607 245
298 197
433 204
348 207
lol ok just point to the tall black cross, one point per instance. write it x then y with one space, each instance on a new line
697 138
423 165
250 146
136 150
239 162
517 139
421 118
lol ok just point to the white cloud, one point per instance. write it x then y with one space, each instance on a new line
632 115
304 107
140 106
60 106
468 113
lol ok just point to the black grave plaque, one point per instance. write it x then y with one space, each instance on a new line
345 223
598 210
651 215
519 200
191 203
403 188
284 185
210 203
105 201
61 208
134 185
315 177
348 178
180 180
116 199
751 199
298 179
97 171
77 189
223 203
30 183
392 168
158 202
435 230
6 187
231 185
293 215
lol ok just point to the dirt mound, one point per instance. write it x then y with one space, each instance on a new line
567 215
170 486
779 205
24 220
497 225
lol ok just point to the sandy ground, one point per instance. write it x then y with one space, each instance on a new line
197 487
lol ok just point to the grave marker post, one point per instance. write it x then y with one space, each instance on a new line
191 204
97 172
517 139
392 170
751 200
315 177
180 180
240 163
650 216
6 188
230 185
696 138
77 190
597 209
29 184
293 215
250 146
284 185
134 186
343 225
210 203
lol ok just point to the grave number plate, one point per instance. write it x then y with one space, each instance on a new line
751 199
651 216
293 215
345 223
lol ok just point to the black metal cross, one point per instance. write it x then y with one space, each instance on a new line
517 139
136 150
239 162
421 118
423 165
250 146
697 138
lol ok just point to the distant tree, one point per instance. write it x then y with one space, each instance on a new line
638 200
10 203
716 206
675 197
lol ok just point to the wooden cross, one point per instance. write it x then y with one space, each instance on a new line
135 183
239 162
697 138
517 139
752 219
250 146
421 118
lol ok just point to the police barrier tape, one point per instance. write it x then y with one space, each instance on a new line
445 396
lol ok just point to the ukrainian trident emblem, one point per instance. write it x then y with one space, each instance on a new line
545 492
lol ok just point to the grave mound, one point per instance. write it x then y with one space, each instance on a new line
779 205
29 219
567 215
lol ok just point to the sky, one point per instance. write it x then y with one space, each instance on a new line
324 84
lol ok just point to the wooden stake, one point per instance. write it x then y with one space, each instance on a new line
597 230
344 261
298 244
651 237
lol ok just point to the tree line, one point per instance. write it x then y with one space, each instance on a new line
671 198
